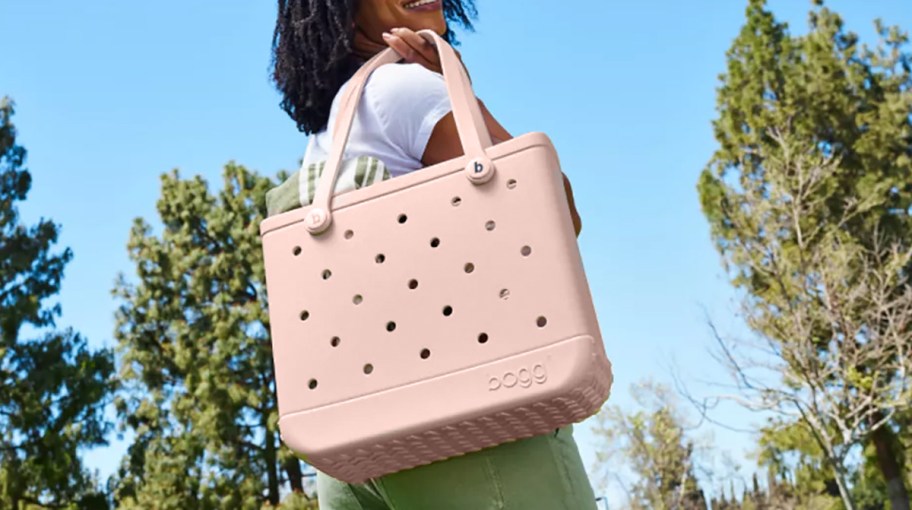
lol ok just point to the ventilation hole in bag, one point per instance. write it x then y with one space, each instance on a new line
380 258
490 225
413 284
456 201
312 384
335 341
391 326
435 242
357 299
504 293
447 310
349 234
326 274
511 184
425 353
483 338
541 321
526 251
305 315
368 369
296 251
469 267
403 218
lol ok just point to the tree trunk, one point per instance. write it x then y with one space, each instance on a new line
839 474
891 470
295 478
271 439
271 468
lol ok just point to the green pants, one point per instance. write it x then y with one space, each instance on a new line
538 473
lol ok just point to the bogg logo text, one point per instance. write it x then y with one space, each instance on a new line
524 378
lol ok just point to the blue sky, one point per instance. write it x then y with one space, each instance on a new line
112 94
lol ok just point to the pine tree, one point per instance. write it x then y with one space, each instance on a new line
197 359
53 389
808 198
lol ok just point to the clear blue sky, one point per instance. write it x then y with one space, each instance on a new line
112 94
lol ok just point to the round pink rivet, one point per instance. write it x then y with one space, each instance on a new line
480 170
316 221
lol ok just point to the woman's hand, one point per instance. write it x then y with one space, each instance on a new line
415 49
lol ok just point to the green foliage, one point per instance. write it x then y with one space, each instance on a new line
52 387
808 199
790 451
672 469
788 108
196 355
652 443
295 501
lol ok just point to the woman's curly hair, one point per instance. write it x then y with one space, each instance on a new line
312 53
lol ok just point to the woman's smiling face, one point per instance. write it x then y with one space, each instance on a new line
373 17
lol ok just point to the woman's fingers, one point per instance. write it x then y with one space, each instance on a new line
419 44
396 43
413 48
402 48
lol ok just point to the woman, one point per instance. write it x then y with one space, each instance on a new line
405 119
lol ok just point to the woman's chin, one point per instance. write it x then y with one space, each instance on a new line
426 21
438 28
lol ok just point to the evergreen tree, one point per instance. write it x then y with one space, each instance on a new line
653 444
197 359
53 389
808 198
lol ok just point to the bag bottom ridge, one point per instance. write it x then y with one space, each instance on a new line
512 398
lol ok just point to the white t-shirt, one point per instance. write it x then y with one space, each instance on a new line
399 109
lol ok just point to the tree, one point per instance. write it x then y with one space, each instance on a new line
652 443
808 199
797 467
197 359
53 389
295 501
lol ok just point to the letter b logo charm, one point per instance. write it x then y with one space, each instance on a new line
316 221
480 170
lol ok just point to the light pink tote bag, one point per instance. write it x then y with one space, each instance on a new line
436 313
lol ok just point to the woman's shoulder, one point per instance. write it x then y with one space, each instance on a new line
405 70
398 85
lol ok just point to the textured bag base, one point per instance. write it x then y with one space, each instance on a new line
576 370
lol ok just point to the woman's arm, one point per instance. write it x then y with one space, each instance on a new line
444 145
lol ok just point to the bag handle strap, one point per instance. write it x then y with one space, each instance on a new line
473 133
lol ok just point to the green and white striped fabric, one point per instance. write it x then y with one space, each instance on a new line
299 189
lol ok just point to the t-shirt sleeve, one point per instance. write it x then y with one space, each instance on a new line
409 100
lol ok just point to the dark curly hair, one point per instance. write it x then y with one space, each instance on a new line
312 53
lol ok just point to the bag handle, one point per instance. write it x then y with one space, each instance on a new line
473 133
